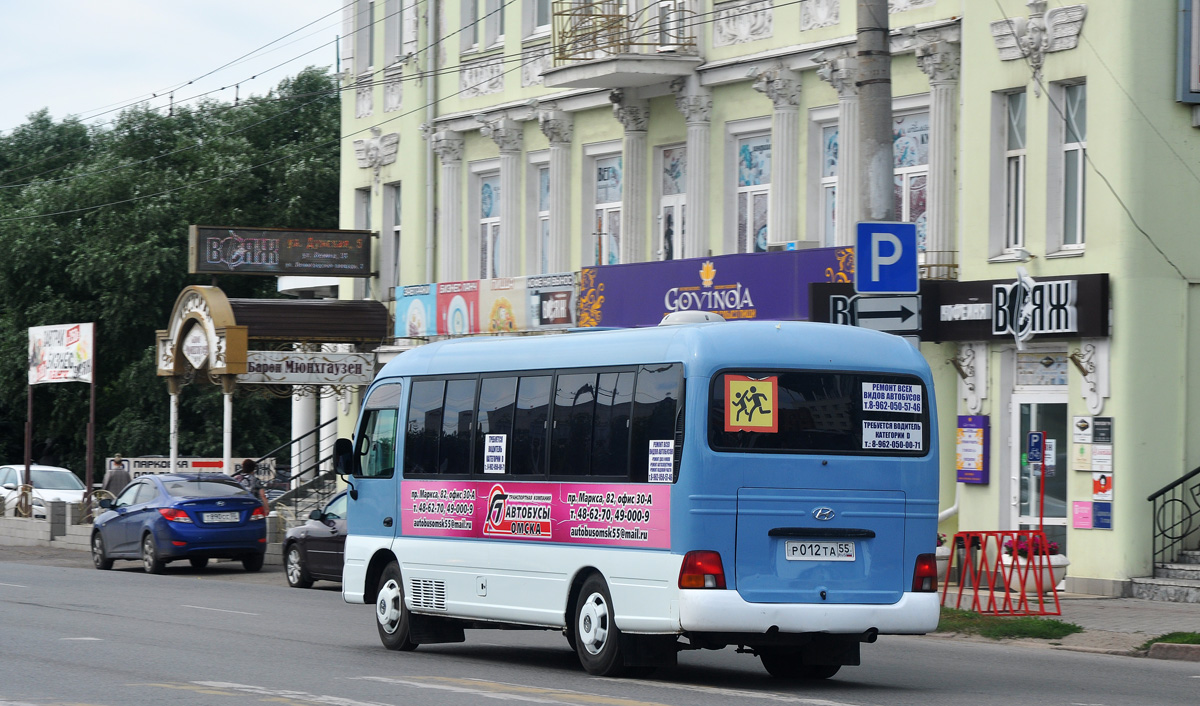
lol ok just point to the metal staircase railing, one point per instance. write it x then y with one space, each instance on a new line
295 492
1176 517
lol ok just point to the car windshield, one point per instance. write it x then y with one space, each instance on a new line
203 488
55 480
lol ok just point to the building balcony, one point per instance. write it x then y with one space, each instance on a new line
603 44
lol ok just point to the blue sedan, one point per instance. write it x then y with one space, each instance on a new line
161 518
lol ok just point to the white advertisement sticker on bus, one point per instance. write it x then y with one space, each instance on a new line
897 436
493 454
662 461
889 397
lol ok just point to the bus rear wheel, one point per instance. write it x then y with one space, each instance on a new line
597 639
788 663
391 615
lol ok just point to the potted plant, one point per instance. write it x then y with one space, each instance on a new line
1023 570
942 556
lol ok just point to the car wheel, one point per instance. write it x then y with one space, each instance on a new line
252 562
597 638
198 562
391 615
150 561
297 576
101 561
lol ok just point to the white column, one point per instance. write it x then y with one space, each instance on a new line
228 382
304 410
940 62
329 401
173 388
782 86
635 116
449 148
508 136
840 73
695 102
557 126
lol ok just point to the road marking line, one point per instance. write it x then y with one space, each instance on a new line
97 639
739 693
219 610
512 692
13 585
284 694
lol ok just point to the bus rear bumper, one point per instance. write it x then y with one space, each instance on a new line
727 612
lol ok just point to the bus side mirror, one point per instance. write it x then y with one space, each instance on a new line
343 457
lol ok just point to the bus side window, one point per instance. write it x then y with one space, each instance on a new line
458 424
571 428
530 428
423 427
610 447
497 400
376 452
656 409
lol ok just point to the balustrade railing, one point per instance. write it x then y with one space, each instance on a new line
606 28
1176 518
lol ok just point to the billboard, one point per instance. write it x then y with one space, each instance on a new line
224 250
61 353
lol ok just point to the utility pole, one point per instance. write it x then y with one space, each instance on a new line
876 181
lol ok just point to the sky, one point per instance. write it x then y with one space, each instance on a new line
85 57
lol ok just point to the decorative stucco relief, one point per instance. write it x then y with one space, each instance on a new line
741 21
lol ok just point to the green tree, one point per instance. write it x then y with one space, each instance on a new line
86 239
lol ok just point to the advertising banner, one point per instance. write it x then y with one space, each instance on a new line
223 250
771 285
151 465
416 310
633 515
458 307
60 353
501 305
551 300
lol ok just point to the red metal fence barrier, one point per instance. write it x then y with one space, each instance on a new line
1004 573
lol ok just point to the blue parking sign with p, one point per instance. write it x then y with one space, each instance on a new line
886 259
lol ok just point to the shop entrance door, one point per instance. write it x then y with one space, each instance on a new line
1041 411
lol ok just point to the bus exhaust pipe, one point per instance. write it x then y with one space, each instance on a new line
870 636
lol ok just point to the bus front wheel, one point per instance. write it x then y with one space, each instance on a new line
391 616
597 639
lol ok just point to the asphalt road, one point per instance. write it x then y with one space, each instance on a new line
72 635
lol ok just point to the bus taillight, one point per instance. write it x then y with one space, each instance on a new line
925 574
702 569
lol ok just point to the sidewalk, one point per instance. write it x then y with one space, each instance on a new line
1110 625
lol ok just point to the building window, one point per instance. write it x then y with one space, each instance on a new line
364 36
672 211
394 260
607 211
543 218
541 16
1074 108
829 172
489 224
753 192
1014 171
910 153
470 24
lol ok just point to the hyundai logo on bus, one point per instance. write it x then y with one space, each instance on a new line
823 513
886 256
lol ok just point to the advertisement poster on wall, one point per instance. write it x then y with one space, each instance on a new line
416 310
458 307
500 307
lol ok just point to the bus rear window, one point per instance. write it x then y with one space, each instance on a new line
818 412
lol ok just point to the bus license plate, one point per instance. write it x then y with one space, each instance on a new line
819 551
220 517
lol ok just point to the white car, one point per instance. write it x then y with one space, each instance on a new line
49 483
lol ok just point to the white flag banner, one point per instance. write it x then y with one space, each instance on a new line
61 353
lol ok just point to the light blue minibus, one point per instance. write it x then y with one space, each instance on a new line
766 485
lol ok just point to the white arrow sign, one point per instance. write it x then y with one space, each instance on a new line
880 313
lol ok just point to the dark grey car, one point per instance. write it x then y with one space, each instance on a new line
313 551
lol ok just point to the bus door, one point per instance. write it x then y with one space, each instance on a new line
825 477
374 512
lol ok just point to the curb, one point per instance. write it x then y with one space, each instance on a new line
1167 650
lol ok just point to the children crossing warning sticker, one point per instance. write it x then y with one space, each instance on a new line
751 404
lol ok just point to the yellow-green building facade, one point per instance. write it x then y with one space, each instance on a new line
1041 147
